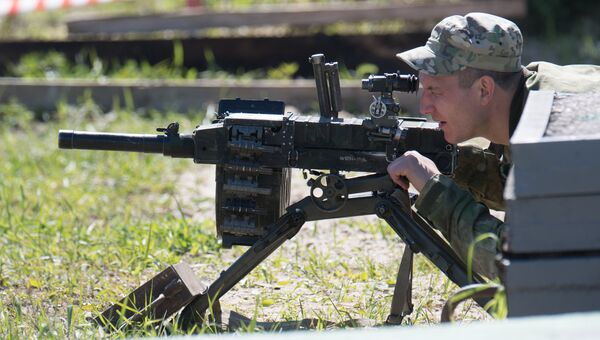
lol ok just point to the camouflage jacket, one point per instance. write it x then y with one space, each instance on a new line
459 206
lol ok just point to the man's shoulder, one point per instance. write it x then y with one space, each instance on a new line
564 78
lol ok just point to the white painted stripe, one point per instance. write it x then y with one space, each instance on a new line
5 6
23 6
27 5
79 2
53 4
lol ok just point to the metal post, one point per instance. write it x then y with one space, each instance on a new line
335 91
317 60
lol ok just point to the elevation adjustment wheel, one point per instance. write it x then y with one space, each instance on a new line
329 192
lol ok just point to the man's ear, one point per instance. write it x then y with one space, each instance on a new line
487 87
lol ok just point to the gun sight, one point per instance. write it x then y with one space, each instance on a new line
389 82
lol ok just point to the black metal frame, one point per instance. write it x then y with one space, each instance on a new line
379 197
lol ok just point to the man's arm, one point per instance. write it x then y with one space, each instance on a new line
461 220
451 209
412 168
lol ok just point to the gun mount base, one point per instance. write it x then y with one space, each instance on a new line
388 203
158 298
384 200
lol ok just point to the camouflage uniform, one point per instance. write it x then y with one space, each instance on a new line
458 206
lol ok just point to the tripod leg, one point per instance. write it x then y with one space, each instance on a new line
285 228
422 239
402 299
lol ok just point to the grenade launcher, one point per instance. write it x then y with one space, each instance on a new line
254 145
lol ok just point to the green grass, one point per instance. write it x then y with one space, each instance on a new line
55 65
68 218
80 229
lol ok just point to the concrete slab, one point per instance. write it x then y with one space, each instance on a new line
555 165
552 284
552 224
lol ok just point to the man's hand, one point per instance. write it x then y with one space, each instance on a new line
412 167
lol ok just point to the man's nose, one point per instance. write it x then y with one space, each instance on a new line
425 106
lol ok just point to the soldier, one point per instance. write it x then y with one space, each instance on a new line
474 86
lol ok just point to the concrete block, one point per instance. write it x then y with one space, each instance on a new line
552 224
551 163
551 285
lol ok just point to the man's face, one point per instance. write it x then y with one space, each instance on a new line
455 108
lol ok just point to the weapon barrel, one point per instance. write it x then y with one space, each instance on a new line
174 146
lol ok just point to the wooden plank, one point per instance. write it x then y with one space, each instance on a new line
552 224
552 285
291 15
183 96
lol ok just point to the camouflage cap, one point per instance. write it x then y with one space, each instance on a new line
477 40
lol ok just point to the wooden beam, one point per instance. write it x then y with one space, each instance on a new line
182 96
291 15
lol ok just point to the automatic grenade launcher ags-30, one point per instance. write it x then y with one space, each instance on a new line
254 144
